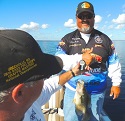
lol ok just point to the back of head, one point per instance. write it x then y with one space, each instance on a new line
21 57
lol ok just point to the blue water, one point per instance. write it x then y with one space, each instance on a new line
48 46
114 108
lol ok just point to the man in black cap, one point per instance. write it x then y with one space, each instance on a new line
105 63
23 68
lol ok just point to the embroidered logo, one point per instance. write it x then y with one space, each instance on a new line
85 5
112 46
98 58
98 45
98 39
61 43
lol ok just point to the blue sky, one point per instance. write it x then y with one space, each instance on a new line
52 19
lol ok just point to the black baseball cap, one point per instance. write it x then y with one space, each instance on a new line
85 7
21 58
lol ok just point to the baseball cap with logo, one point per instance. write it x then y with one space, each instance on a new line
84 7
21 58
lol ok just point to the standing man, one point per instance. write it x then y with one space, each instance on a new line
105 63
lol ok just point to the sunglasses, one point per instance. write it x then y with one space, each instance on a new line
87 16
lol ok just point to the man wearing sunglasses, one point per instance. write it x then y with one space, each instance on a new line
105 63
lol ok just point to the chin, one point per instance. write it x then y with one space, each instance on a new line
85 30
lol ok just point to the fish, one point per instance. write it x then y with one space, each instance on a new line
82 100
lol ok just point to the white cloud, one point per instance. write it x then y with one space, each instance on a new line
70 24
98 19
120 26
31 26
120 19
44 26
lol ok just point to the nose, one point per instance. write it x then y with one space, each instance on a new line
85 19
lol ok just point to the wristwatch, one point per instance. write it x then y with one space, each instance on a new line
82 65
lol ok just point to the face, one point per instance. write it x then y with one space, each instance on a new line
85 22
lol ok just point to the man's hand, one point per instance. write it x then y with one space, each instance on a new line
76 69
86 56
115 91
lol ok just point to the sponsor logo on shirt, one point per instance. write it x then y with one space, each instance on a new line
98 58
98 45
74 42
76 38
112 46
95 70
61 43
98 39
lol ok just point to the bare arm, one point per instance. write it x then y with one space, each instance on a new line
63 78
86 56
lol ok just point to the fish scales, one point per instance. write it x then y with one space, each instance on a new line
82 100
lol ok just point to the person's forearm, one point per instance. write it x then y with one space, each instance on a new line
69 61
63 78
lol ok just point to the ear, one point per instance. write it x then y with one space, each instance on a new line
17 93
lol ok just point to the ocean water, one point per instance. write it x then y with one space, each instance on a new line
48 46
114 108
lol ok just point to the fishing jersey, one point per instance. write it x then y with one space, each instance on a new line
105 62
